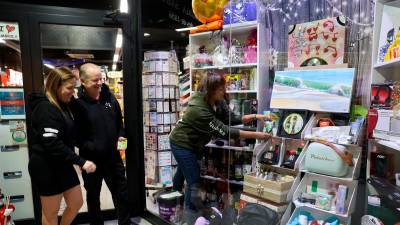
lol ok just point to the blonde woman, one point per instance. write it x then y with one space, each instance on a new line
52 146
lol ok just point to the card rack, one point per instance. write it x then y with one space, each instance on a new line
161 112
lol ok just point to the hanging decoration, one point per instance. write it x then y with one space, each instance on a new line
358 19
273 58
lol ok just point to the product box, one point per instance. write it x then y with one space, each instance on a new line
385 124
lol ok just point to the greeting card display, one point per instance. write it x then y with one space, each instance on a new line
318 42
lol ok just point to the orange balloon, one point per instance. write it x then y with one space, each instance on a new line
207 11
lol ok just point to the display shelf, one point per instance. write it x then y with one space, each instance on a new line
210 145
241 91
237 27
389 144
389 67
317 214
220 179
323 183
299 204
246 65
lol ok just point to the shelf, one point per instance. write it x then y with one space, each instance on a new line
389 144
246 65
220 179
234 28
209 145
299 204
241 91
391 65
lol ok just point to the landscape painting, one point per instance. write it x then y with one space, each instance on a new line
327 90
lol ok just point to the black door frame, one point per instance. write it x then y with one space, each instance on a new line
29 18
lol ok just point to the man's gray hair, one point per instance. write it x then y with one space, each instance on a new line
86 68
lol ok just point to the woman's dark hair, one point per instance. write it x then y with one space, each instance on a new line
209 85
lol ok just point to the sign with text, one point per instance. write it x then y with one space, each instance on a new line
9 31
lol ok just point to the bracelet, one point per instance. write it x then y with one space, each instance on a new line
255 116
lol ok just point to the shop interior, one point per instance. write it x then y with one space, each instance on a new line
324 73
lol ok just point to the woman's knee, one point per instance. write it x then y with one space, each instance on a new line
76 203
50 215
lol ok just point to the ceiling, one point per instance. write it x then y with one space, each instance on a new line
160 22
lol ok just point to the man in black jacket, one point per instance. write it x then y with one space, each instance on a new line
99 121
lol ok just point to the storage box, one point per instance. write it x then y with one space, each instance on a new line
269 190
326 183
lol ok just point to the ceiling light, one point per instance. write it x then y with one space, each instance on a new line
118 42
114 67
123 6
49 66
116 57
146 34
2 41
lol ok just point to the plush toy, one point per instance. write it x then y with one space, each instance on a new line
5 210
210 13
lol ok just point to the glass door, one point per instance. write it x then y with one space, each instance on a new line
15 184
73 46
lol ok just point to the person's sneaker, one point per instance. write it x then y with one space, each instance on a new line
215 216
202 221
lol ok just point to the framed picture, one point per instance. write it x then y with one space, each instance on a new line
322 90
293 123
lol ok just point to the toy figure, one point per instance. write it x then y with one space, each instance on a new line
5 210
208 12
394 49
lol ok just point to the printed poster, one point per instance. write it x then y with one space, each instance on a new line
321 40
12 105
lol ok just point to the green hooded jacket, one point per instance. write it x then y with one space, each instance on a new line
200 123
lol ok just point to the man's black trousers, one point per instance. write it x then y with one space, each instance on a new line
112 170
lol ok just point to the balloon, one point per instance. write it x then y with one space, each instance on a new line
207 11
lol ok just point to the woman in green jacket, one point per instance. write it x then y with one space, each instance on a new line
206 116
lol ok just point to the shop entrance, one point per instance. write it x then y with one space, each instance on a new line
72 46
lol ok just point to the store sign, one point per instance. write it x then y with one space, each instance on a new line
9 31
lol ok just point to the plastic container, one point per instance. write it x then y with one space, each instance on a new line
168 205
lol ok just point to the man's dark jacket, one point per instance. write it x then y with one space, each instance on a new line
99 124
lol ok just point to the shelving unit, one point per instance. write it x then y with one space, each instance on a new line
210 145
224 180
386 12
226 66
239 31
